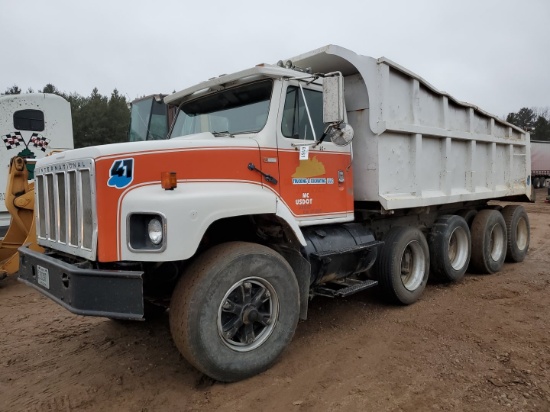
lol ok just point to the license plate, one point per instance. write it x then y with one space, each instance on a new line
43 276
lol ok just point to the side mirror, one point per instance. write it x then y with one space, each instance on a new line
340 134
333 99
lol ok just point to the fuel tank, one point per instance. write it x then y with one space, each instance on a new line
339 251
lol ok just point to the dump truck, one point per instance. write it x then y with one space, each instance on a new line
321 175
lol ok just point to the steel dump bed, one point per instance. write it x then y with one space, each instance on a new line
417 146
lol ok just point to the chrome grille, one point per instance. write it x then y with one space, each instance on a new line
66 207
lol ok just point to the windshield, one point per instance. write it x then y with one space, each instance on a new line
148 120
241 109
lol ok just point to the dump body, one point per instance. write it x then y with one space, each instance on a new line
417 146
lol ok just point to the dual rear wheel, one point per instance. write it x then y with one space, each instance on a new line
481 241
539 182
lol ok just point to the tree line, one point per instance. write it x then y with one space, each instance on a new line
97 119
535 120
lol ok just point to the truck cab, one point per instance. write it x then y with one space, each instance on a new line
280 113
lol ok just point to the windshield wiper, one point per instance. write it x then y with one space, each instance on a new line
224 133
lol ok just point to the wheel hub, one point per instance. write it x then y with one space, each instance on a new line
250 315
247 314
412 266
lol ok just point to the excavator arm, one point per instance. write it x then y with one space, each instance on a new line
20 205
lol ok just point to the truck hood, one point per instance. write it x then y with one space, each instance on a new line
201 140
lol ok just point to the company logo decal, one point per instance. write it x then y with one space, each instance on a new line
122 173
15 139
313 181
309 168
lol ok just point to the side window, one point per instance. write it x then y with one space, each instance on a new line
29 119
295 122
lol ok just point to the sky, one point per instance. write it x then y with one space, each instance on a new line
494 54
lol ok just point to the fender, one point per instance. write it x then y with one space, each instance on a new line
190 209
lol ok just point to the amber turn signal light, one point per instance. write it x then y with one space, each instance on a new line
168 180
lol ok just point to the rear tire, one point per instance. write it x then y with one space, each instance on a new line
450 248
468 215
404 265
235 310
489 241
518 232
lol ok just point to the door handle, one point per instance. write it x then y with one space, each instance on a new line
267 177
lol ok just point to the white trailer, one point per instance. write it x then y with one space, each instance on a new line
260 201
540 162
32 125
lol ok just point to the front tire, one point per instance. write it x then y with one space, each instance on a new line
404 265
235 310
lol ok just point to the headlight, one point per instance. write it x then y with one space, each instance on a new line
154 228
146 232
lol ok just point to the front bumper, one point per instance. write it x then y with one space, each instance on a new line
92 292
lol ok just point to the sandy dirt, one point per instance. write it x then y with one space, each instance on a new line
480 345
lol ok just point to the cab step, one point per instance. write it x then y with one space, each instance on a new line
343 288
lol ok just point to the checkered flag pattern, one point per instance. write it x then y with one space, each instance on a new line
39 141
13 140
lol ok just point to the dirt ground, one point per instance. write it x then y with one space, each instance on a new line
480 345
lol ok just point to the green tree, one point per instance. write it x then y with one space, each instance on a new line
525 118
13 90
50 88
96 119
534 120
118 115
541 129
92 128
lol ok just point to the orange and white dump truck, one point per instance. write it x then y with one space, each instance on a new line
261 200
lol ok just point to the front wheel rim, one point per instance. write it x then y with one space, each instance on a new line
247 314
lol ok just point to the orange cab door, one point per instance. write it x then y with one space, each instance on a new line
320 185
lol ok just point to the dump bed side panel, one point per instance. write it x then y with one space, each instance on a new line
415 145
433 149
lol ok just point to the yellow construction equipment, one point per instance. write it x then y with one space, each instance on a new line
20 205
